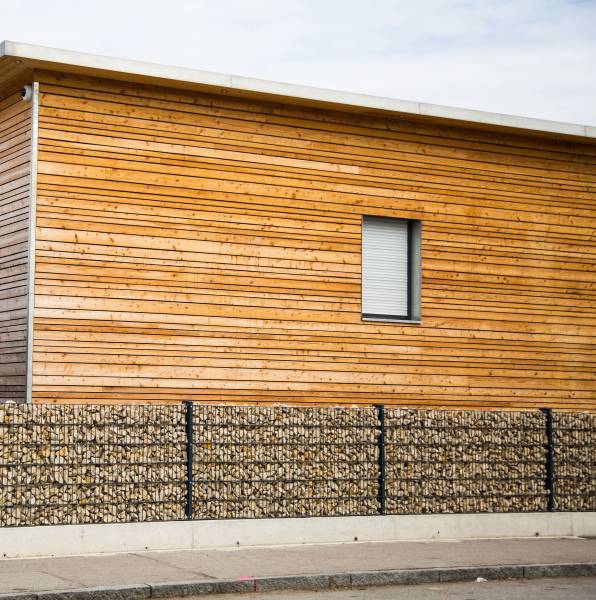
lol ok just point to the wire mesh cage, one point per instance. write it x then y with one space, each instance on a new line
465 461
575 461
275 461
63 464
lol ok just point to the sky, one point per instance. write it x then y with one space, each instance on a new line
534 58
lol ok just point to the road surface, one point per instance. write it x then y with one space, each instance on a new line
577 588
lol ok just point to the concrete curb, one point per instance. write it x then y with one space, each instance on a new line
44 541
311 582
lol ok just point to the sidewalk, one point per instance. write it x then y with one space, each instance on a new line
154 574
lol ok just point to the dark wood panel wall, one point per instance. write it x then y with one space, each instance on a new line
15 170
204 247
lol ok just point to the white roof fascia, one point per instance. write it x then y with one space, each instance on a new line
362 102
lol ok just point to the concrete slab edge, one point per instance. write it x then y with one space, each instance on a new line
312 582
77 540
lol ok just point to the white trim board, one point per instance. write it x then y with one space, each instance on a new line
146 72
68 540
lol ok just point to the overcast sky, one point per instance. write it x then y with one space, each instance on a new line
526 57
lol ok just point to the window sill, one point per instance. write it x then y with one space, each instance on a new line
389 320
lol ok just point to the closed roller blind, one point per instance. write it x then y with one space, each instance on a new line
385 267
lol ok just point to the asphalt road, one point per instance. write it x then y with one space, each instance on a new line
577 588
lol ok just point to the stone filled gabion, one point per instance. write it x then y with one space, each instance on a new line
465 461
64 464
574 436
257 461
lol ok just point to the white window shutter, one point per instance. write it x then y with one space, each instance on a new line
385 267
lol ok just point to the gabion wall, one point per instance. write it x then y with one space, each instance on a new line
63 464
575 461
465 461
284 462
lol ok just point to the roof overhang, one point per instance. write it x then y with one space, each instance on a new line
18 59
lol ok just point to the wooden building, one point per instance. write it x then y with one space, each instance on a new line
169 234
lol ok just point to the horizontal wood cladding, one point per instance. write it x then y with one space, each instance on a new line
203 247
15 169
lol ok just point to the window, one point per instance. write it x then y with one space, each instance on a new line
391 269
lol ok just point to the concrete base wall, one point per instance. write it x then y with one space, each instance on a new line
65 540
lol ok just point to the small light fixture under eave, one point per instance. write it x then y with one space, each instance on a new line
27 93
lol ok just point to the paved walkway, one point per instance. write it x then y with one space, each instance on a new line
82 572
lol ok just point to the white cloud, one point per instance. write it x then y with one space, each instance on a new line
530 57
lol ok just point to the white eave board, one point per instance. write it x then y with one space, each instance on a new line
118 68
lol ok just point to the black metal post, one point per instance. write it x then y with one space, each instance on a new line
189 482
381 496
550 460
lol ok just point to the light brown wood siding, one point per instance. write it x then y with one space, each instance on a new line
205 247
15 170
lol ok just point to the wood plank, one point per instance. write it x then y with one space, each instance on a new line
94 87
15 152
191 246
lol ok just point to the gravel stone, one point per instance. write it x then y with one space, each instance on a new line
69 464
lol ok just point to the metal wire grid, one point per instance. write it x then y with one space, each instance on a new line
574 461
464 461
90 464
255 461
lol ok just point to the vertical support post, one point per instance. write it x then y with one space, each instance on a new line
31 236
550 460
382 494
189 452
